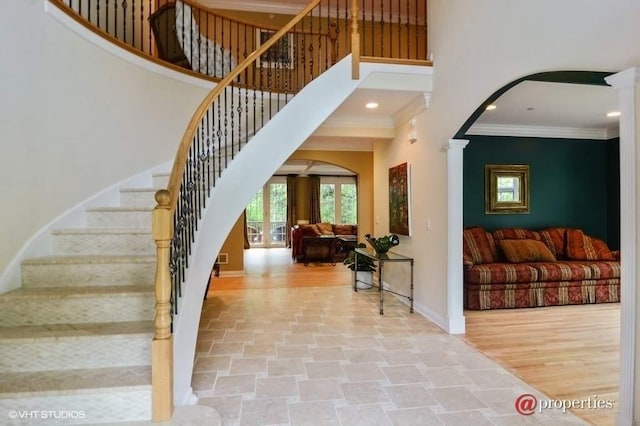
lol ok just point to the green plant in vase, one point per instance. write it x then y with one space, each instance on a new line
382 244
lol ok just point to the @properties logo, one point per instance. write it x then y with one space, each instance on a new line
526 404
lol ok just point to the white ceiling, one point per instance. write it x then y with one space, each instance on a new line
552 110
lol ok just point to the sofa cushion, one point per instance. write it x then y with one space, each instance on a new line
344 230
478 245
500 273
584 247
554 238
515 234
605 270
518 251
325 228
563 271
310 230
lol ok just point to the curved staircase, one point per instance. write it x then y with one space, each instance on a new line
74 340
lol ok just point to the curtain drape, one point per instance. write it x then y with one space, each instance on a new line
246 231
314 199
291 208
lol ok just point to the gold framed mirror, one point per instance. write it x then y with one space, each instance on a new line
506 189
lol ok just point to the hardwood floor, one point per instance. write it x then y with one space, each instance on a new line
566 352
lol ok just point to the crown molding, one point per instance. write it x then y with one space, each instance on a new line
416 106
541 131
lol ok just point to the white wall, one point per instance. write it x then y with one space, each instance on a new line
478 47
74 119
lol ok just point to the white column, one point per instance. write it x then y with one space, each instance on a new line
454 320
626 83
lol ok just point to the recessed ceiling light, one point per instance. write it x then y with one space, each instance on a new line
371 105
613 114
491 107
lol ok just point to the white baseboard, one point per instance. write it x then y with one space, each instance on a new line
232 273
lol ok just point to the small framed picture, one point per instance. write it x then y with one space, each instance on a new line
280 55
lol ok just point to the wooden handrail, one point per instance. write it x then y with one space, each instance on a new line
179 164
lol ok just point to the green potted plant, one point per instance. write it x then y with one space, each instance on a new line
365 269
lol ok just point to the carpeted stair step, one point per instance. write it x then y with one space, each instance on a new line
102 241
138 197
62 305
81 396
88 270
119 217
73 346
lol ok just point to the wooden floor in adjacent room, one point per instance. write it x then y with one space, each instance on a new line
566 352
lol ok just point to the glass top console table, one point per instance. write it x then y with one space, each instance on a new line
380 260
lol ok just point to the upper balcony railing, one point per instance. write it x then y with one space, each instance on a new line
212 42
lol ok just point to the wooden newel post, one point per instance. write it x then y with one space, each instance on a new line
162 345
355 42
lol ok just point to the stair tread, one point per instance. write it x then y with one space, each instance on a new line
114 231
126 209
43 382
76 330
89 258
142 189
69 292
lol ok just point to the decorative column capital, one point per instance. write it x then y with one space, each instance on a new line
624 79
455 144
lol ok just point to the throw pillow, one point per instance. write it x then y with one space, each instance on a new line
477 245
325 228
583 247
343 230
310 230
554 239
518 251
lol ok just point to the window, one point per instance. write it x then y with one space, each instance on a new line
267 215
339 199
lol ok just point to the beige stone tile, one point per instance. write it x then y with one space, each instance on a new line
323 369
248 365
364 393
441 377
363 342
226 348
293 351
393 343
437 359
299 339
403 374
228 407
327 354
517 420
285 367
475 361
271 411
408 396
263 349
304 328
422 416
456 398
363 355
203 381
269 337
320 390
399 357
238 336
331 340
464 418
233 385
363 415
321 413
212 363
274 387
363 372
492 378
203 346
222 325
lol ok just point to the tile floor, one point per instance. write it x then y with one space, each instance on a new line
324 356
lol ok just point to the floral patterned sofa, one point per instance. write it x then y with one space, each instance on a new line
519 268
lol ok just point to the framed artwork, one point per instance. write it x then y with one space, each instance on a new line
280 55
399 199
506 188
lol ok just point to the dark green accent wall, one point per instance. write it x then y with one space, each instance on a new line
572 183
